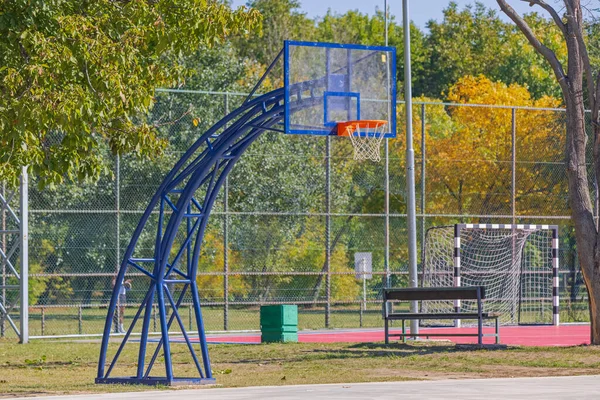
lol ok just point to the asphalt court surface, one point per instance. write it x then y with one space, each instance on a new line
532 335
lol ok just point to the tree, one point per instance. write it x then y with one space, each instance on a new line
74 74
476 41
282 20
356 27
480 139
462 139
73 243
580 86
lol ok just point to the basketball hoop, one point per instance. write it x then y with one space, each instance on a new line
366 137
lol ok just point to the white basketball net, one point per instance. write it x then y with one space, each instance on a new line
367 143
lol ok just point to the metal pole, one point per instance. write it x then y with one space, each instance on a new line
3 283
117 316
24 317
410 166
118 212
423 177
385 15
226 243
387 217
386 260
363 269
80 319
515 307
226 257
328 231
514 165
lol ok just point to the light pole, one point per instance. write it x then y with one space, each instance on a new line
410 166
387 174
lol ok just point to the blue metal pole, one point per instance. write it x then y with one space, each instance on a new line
145 330
201 334
164 328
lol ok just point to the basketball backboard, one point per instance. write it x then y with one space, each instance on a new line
344 82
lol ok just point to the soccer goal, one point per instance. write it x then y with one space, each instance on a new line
517 265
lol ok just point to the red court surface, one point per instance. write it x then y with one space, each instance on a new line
565 335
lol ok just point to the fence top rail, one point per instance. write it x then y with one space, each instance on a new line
415 102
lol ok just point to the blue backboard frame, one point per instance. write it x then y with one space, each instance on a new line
324 132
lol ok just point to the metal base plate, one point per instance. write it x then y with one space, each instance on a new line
154 381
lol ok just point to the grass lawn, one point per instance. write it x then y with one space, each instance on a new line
51 367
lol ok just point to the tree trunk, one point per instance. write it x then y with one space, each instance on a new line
586 234
571 24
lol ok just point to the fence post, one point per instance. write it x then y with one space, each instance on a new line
80 320
118 228
513 190
328 231
226 243
118 211
43 317
3 283
513 165
360 316
117 315
24 315
423 177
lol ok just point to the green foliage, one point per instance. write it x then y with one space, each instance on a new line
355 27
476 41
471 41
282 21
77 73
77 243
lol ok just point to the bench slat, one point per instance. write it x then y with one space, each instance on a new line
401 335
440 315
441 293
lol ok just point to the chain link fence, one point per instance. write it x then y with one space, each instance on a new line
294 211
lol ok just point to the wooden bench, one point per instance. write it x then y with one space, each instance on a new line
439 293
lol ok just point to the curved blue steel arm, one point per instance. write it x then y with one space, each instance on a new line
203 168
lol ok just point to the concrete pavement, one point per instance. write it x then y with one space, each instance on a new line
549 388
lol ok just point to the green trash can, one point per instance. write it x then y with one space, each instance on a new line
279 323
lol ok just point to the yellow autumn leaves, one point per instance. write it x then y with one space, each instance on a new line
469 149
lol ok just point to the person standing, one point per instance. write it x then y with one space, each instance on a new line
121 302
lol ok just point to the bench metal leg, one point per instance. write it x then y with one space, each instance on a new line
497 332
403 332
480 319
387 332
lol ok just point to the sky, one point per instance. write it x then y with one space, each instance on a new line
421 11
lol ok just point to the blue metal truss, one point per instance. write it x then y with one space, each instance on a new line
183 203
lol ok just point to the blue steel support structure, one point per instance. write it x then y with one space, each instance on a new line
183 203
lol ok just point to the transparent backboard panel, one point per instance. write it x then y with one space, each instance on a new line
327 83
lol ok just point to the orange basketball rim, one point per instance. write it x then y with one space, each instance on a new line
348 128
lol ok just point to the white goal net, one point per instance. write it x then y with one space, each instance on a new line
517 265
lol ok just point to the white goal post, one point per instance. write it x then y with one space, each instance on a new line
517 264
